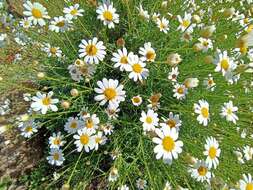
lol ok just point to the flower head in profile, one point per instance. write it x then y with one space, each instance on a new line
44 102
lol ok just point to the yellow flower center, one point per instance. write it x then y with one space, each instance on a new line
224 64
53 50
73 125
124 60
250 28
61 24
29 129
246 21
57 141
162 26
137 68
108 15
56 156
46 101
91 50
98 139
249 186
186 23
243 50
180 90
73 12
136 100
168 143
171 123
149 120
110 93
205 112
84 139
229 111
36 13
150 55
212 152
89 123
205 43
210 82
202 170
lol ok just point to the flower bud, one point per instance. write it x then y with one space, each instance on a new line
41 75
208 59
74 92
65 104
174 59
196 19
120 42
228 12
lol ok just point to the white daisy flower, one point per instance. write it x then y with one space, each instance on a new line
107 13
44 102
73 12
149 120
136 100
121 60
246 183
147 52
212 151
52 51
167 186
60 24
92 122
228 111
224 63
112 111
206 44
185 23
93 51
56 140
113 175
138 70
248 152
123 187
35 12
143 13
25 23
110 91
28 128
173 74
200 171
163 25
209 83
180 91
99 139
203 110
141 184
73 125
168 147
85 139
107 129
56 157
191 82
172 122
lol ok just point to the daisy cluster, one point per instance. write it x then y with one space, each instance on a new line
169 89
